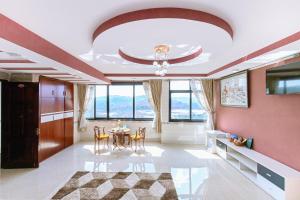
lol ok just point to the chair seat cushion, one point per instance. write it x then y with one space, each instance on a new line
136 137
102 136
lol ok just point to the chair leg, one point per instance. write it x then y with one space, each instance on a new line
99 145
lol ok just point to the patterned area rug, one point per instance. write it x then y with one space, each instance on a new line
118 185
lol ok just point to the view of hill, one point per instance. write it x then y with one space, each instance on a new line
122 107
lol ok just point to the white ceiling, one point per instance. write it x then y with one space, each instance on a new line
70 24
10 56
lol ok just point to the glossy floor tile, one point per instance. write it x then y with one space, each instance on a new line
196 173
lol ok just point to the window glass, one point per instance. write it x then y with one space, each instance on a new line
180 106
101 101
121 101
198 113
142 106
181 96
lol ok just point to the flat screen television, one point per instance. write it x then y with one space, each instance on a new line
284 79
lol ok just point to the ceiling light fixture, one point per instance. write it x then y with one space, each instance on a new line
160 59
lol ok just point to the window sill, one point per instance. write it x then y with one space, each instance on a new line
187 121
122 119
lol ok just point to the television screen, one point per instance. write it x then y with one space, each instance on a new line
284 79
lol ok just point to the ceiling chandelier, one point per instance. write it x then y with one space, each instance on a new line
160 59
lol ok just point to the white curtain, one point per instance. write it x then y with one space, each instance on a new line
89 96
199 92
147 90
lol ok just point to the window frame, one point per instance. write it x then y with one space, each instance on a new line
133 118
190 92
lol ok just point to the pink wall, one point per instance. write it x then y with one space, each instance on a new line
272 120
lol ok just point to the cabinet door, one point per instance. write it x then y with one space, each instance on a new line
47 105
59 135
45 140
69 96
60 89
47 87
59 104
69 131
69 90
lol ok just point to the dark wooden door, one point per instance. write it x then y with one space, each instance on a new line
20 111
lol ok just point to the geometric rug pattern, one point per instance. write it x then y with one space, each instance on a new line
118 185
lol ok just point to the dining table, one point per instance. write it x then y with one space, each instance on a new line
119 135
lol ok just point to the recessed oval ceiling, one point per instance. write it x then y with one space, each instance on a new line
140 34
170 61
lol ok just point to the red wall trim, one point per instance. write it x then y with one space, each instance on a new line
56 74
14 32
26 68
16 61
154 13
153 75
150 62
60 77
70 79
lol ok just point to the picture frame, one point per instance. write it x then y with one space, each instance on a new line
234 90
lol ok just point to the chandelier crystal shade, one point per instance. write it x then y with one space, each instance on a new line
160 59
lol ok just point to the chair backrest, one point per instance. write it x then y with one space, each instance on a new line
96 131
99 130
142 132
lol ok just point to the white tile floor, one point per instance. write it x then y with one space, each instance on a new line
196 173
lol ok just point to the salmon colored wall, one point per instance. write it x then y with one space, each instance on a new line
272 120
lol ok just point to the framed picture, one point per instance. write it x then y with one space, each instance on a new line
234 90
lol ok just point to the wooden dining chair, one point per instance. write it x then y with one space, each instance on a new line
100 135
139 137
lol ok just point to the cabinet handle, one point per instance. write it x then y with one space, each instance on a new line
269 175
53 92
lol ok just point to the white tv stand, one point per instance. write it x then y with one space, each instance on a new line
277 179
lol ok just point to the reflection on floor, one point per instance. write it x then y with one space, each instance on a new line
196 173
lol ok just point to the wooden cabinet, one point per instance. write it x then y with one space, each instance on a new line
56 124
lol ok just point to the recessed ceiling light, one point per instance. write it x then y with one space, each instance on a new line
235 70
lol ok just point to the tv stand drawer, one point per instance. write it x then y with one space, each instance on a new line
271 176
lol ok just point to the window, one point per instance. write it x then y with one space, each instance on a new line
101 101
183 103
120 101
142 105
